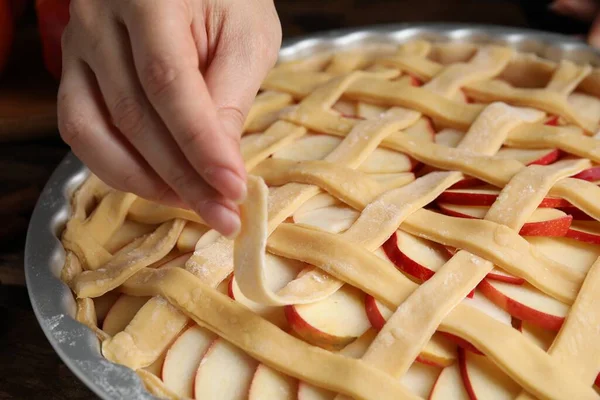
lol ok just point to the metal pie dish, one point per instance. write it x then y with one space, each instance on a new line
52 300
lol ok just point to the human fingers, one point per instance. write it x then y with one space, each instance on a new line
584 10
166 60
83 126
135 118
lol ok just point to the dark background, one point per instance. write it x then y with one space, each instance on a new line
29 369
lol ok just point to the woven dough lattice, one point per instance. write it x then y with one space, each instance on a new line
422 222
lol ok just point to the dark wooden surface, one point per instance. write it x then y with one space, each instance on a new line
29 369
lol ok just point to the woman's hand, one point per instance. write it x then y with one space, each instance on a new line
585 10
154 94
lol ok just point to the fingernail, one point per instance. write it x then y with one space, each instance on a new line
227 182
221 218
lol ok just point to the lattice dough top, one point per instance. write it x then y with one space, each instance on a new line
422 222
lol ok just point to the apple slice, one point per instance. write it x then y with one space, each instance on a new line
270 384
317 147
183 358
591 174
585 104
355 349
499 275
573 253
468 182
449 385
310 392
103 304
484 380
279 272
423 128
386 161
421 258
438 351
370 111
321 200
225 373
345 108
543 221
129 231
121 313
480 302
486 196
577 214
585 231
552 120
191 233
334 219
449 137
420 379
483 304
320 324
526 303
529 156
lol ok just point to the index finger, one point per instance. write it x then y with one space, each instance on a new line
167 63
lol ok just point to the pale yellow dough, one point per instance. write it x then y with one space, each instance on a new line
375 80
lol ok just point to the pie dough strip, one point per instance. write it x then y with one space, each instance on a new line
542 99
327 177
582 194
375 225
489 61
303 84
71 269
86 314
576 345
500 245
450 113
90 254
279 135
264 341
516 355
155 386
128 261
387 214
330 247
215 262
108 216
565 138
265 103
567 77
488 133
147 212
249 255
92 189
147 336
488 91
407 331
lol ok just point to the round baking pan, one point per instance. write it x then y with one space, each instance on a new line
53 301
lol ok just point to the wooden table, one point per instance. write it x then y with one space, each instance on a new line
28 366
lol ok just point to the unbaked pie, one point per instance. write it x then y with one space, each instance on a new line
422 222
